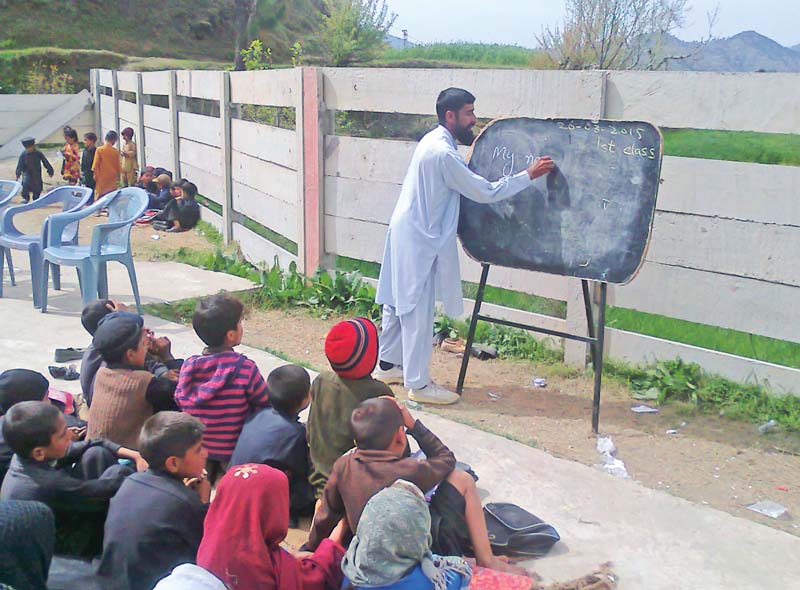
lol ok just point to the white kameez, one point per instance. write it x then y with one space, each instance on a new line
421 252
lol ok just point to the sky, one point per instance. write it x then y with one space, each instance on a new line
517 21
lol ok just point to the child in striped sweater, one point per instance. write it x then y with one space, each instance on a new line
221 387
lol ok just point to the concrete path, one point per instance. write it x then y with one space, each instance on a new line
655 541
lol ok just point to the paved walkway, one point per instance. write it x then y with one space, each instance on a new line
656 541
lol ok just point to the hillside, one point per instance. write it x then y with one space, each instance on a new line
747 51
184 29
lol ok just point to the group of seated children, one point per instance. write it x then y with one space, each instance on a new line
105 168
222 424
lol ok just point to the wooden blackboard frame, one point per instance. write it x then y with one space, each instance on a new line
596 331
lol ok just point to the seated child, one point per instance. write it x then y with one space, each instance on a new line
125 393
162 197
352 350
27 534
380 427
76 479
17 385
147 180
274 436
391 549
159 360
181 213
221 387
247 522
139 551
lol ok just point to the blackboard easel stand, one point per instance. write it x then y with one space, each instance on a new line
594 339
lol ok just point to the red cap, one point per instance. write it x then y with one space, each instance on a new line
352 348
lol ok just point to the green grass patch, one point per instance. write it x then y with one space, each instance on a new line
367 269
737 146
517 300
209 204
179 312
268 234
477 54
17 64
752 346
687 385
155 64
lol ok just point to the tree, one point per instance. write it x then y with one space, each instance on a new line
353 31
615 34
243 11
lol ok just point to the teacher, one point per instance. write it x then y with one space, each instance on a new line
420 259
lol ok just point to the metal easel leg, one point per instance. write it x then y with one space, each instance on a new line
472 325
598 356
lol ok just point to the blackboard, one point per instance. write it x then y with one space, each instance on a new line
589 218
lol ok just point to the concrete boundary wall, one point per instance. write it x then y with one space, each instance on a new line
723 250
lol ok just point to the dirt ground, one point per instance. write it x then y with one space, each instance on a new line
712 461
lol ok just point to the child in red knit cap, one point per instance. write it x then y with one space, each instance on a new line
352 350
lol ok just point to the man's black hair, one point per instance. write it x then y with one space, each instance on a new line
374 423
288 388
214 316
168 434
112 136
452 99
28 425
93 313
189 189
90 135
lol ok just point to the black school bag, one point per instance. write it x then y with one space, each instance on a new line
515 532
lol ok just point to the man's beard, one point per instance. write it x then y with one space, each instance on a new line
464 135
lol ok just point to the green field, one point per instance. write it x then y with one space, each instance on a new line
467 54
737 146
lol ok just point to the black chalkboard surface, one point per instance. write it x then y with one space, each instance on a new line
590 218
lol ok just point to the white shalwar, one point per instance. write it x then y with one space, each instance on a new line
420 259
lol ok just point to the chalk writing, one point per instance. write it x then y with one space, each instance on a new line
613 129
504 153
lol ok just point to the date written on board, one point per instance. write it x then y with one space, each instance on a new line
610 146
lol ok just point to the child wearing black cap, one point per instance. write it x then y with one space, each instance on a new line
29 169
159 360
74 479
17 385
125 393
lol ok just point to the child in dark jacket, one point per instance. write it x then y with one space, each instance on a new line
276 437
352 350
221 387
29 169
87 159
79 484
174 495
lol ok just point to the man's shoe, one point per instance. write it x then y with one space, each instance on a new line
393 375
433 394
64 355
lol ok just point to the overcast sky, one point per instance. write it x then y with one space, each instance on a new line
517 21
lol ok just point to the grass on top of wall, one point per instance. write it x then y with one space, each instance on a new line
761 348
736 146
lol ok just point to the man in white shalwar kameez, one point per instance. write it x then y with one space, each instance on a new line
420 260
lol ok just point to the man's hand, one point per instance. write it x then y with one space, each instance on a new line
408 419
77 432
540 167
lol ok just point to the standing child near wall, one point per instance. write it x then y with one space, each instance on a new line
130 163
87 159
106 166
71 170
29 169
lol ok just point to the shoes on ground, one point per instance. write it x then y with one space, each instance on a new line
64 355
433 394
393 375
65 373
